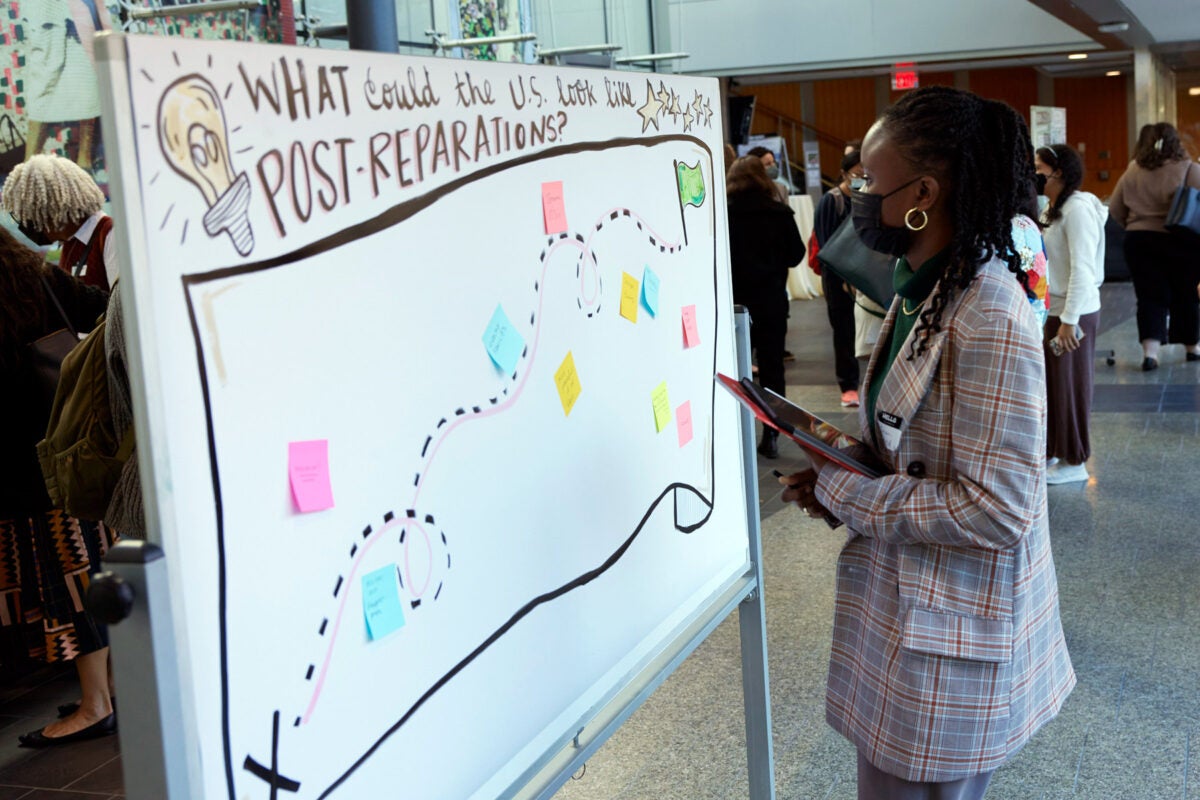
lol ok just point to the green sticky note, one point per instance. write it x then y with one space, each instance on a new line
662 406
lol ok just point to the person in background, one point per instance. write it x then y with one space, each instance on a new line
730 156
1074 237
764 243
53 200
839 296
1164 267
948 650
46 557
772 168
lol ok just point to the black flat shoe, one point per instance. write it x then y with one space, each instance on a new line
1149 364
67 709
1193 356
105 727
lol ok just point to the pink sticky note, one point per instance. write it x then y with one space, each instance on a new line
683 421
691 334
554 213
308 474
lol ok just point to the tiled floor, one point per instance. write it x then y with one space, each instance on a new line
1127 548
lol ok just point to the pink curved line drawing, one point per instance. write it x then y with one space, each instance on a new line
585 249
412 523
590 265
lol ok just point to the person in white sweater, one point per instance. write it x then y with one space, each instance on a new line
1074 236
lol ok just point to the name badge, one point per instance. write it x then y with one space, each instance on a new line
889 429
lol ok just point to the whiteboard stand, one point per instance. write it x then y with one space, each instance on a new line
133 590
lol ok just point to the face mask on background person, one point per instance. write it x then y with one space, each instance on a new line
857 184
34 235
867 213
773 171
1040 181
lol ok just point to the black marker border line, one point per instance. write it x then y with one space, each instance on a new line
388 218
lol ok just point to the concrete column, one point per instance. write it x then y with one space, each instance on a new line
1045 90
1145 89
883 94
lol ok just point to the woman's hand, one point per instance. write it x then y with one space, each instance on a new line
800 488
1068 337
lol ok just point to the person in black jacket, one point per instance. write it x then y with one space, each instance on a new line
764 243
46 557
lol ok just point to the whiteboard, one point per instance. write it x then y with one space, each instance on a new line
318 243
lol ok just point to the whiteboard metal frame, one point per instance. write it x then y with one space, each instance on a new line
168 768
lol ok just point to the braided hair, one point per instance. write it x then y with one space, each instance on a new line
1062 157
50 192
980 149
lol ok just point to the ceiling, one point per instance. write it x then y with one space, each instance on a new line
1169 28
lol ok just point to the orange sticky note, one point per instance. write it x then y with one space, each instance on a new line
683 421
567 381
308 475
691 333
629 297
554 213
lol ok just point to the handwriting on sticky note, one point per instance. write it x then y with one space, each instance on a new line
308 475
567 381
691 333
683 421
650 284
554 212
504 344
381 602
662 406
629 297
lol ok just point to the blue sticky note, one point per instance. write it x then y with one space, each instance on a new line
650 291
504 344
381 602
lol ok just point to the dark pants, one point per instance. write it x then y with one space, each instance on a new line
839 304
1069 380
1165 269
874 784
768 330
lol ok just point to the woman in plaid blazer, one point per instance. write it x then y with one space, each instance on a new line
948 650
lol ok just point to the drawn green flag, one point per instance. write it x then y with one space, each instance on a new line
691 184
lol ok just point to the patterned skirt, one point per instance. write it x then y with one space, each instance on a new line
46 561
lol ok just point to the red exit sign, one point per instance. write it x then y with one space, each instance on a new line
904 77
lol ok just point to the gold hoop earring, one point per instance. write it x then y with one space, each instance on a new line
924 219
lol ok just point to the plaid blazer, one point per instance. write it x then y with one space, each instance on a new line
948 650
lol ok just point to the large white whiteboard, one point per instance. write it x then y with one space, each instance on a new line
334 283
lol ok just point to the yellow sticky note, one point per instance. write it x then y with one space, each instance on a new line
567 381
662 406
629 297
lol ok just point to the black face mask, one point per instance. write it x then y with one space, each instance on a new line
34 235
1039 180
866 210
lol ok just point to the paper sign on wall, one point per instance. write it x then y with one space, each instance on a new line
308 475
504 344
381 602
691 334
554 213
567 381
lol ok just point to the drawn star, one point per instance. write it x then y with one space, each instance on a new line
698 106
674 109
687 118
664 96
649 112
708 112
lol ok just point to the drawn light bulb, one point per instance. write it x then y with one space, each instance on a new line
195 142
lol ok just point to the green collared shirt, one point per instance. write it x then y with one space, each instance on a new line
913 289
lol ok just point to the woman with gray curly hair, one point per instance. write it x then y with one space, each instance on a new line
52 200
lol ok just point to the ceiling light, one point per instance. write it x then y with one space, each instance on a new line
1194 91
1112 73
1077 56
1113 27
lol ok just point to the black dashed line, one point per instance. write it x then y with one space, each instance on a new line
594 261
577 268
417 480
438 593
428 439
447 561
662 248
338 587
403 531
535 285
550 240
458 412
579 303
531 318
443 535
652 242
429 519
353 550
590 316
415 603
443 422
614 215
639 226
321 631
514 376
308 675
504 391
543 258
599 226
525 352
389 516
579 237
494 400
400 576
296 724
625 212
411 514
563 235
476 409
